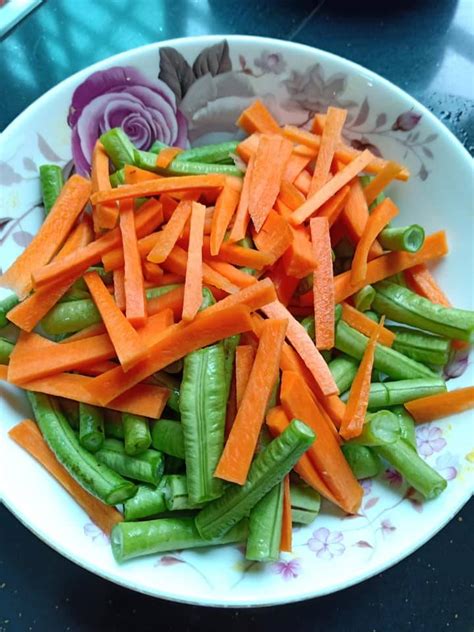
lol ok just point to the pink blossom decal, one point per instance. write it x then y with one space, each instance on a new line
393 477
387 527
270 62
288 570
406 121
326 544
93 532
429 440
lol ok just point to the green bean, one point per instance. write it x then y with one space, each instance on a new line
173 385
364 297
383 394
6 347
147 467
404 306
167 436
74 294
267 470
414 470
96 477
6 304
173 465
157 147
407 425
208 153
230 345
372 315
305 503
148 501
117 178
363 461
421 346
265 521
91 427
51 182
136 433
119 147
70 410
387 360
380 428
407 238
175 489
113 425
343 369
133 539
147 160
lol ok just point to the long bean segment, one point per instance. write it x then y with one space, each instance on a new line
147 160
380 428
164 379
408 238
363 298
91 427
118 147
148 501
136 433
6 347
6 304
343 369
167 436
94 476
175 489
421 346
208 153
265 520
363 461
147 467
70 410
305 503
230 345
383 394
407 425
51 182
269 468
404 306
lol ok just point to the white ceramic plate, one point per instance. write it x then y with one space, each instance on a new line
217 80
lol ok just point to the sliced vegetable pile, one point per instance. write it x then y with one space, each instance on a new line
213 338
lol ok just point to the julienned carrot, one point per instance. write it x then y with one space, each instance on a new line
28 436
104 215
194 272
135 303
244 358
303 344
335 205
242 217
253 297
285 285
119 288
170 300
169 235
50 237
381 180
97 369
257 118
378 219
234 275
147 218
175 343
290 195
421 281
298 259
303 182
79 237
239 449
87 332
135 175
330 139
238 255
318 123
364 324
299 160
127 344
325 453
357 403
286 525
441 405
323 283
166 156
161 185
275 236
315 201
152 272
354 217
224 210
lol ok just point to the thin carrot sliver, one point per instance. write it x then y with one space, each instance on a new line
166 156
119 288
194 272
286 523
87 332
238 255
303 182
239 449
104 215
285 285
242 217
135 175
244 358
254 297
421 281
168 236
275 235
298 161
224 210
381 180
331 137
323 283
79 237
135 303
28 436
441 405
355 215
234 275
298 258
152 272
257 118
334 206
361 322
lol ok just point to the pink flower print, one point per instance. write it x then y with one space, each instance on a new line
326 544
447 465
429 440
393 477
366 484
406 121
270 62
288 570
95 534
386 526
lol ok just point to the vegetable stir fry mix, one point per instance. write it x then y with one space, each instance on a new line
213 339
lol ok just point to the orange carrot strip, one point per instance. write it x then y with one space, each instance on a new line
299 160
171 300
50 237
104 215
381 180
233 274
335 205
242 217
331 137
167 278
377 221
135 303
441 405
285 285
290 195
325 453
114 258
135 175
323 284
356 407
238 255
176 342
355 215
194 269
244 358
365 325
28 436
298 259
79 237
167 238
166 156
119 288
147 218
254 297
97 369
303 182
126 341
286 525
257 118
239 449
224 210
275 235
318 123
421 281
161 185
152 272
315 201
87 332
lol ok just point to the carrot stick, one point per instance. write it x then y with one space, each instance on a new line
28 436
238 255
244 358
325 453
303 344
114 258
286 525
318 123
298 259
421 281
97 369
119 288
257 118
377 221
224 210
323 284
333 208
234 275
87 332
167 278
358 320
175 343
166 156
331 137
104 215
299 160
275 235
194 272
135 303
254 297
303 182
152 272
127 343
285 285
357 403
381 180
441 405
79 237
239 449
160 185
50 237
167 238
290 195
242 217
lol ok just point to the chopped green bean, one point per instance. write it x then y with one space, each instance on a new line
175 489
119 147
147 467
305 503
364 297
136 433
383 394
372 315
148 501
363 461
407 238
173 465
343 369
167 436
407 425
147 160
157 147
117 178
70 410
265 521
380 428
173 385
51 182
6 347
421 346
230 345
6 304
91 427
208 153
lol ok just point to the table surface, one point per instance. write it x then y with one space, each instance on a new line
427 49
